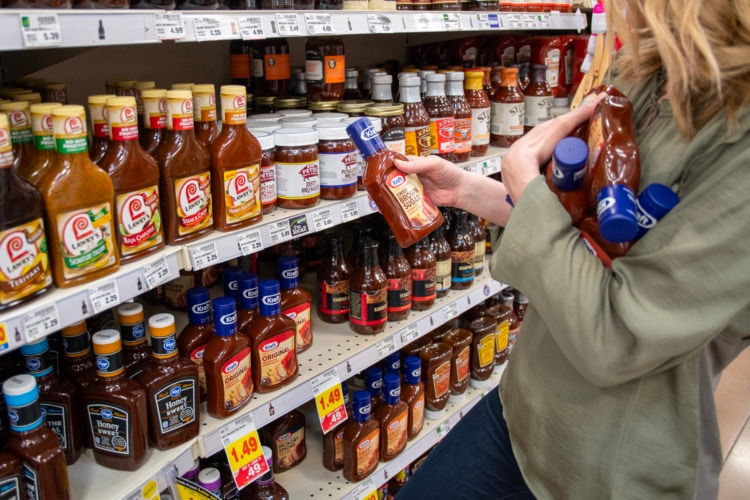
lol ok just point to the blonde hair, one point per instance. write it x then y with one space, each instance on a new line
703 46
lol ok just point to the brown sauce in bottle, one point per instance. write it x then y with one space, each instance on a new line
417 121
268 198
135 351
154 119
333 440
99 126
361 440
454 90
333 277
21 134
44 140
325 68
442 117
204 113
296 302
480 106
508 106
484 330
413 394
393 415
442 250
368 292
436 374
12 482
271 69
462 253
538 99
286 438
398 273
477 232
502 316
193 339
78 363
460 341
423 266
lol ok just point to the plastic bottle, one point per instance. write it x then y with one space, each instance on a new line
21 133
135 351
392 414
44 140
361 440
374 385
413 394
99 126
194 337
454 90
333 440
265 487
204 112
296 302
567 177
248 301
154 119
286 437
78 363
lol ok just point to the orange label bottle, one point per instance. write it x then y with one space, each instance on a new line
44 140
436 374
154 119
204 113
99 126
480 106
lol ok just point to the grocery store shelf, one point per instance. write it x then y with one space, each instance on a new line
311 480
89 28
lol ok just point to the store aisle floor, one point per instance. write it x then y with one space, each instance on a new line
733 407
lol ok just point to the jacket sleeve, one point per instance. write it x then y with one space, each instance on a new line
684 282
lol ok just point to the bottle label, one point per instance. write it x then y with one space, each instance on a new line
26 417
76 345
368 453
396 433
399 294
409 194
125 126
395 140
480 126
361 164
56 418
463 364
242 193
86 240
38 364
462 136
239 66
338 170
197 358
258 67
441 379
553 67
538 109
204 105
320 70
139 220
155 113
10 487
338 447
6 150
180 114
44 138
70 135
507 118
423 285
301 316
268 184
164 347
479 251
277 67
335 69
334 297
110 425
237 379
462 266
234 108
417 141
24 263
443 275
19 121
193 196
486 350
298 181
31 479
109 365
368 308
133 334
175 404
291 447
278 360
417 415
442 135
501 339
569 64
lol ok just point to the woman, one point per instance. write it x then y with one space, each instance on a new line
609 390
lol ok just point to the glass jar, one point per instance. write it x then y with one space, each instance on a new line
297 167
325 68
354 108
394 125
298 121
338 162
283 104
264 105
318 106
331 117
272 74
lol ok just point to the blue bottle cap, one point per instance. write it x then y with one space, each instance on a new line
231 284
199 305
412 370
248 283
652 204
35 348
391 388
374 381
225 316
21 396
615 209
392 363
270 297
361 406
569 163
36 358
288 271
345 393
367 140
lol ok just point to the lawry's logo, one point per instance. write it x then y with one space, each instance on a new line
79 235
4 138
73 126
187 106
175 391
135 214
127 114
47 123
238 102
397 180
202 308
271 300
18 118
369 133
228 319
16 253
163 105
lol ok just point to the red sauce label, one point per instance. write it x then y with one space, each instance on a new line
441 379
410 196
237 379
139 220
301 316
24 263
193 196
423 289
442 135
278 360
334 297
462 364
462 135
399 294
368 308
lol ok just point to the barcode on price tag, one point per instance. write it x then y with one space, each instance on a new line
322 220
329 399
482 22
379 23
40 30
450 311
514 20
204 255
349 211
40 323
365 491
386 347
169 26
251 28
156 273
530 21
216 28
409 334
287 24
280 231
104 296
451 22
244 453
431 22
319 24
250 242
491 166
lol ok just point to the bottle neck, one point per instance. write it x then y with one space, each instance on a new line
454 88
435 89
351 83
394 249
382 93
410 94
474 82
368 258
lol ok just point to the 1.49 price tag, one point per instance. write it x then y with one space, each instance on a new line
244 453
329 399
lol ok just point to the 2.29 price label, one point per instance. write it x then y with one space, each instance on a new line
329 400
244 452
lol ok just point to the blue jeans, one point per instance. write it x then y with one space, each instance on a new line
475 460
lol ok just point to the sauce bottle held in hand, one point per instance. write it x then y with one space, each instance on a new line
566 177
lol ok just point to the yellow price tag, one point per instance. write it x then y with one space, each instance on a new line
3 338
244 452
329 399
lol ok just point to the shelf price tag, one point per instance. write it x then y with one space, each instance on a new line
251 28
319 24
451 22
409 334
491 166
544 21
329 399
204 255
169 26
514 21
156 273
529 21
386 347
40 30
104 296
482 22
471 167
365 491
450 311
349 211
443 429
431 22
215 28
287 24
322 220
250 242
242 446
379 23
280 231
40 323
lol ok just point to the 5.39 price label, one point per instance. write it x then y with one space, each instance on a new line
329 399
244 452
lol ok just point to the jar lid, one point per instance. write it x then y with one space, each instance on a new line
410 80
265 139
123 101
142 85
332 131
290 102
268 127
323 105
181 86
354 106
297 121
233 90
203 88
69 110
20 390
376 122
152 93
294 112
265 101
266 117
131 311
179 94
32 97
329 117
387 110
295 137
125 83
210 478
14 106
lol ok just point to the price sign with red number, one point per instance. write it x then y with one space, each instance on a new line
243 449
329 399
